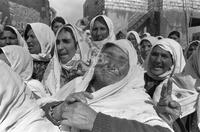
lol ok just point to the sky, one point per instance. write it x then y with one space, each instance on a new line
70 10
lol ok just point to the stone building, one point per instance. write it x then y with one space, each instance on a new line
158 17
21 12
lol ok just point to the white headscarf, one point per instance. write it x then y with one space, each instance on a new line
176 52
20 60
111 36
17 112
52 74
122 99
22 63
178 60
137 37
46 39
21 41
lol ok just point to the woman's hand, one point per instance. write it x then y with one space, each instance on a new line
168 109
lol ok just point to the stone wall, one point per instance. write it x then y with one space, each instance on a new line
21 12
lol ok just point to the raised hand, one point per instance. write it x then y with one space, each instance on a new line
168 109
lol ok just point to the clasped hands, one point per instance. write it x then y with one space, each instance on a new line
75 112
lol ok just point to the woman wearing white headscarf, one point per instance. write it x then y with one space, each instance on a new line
159 69
145 47
123 98
18 112
134 37
40 40
102 31
64 66
12 31
21 62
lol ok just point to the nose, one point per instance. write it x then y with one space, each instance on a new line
7 41
59 46
158 59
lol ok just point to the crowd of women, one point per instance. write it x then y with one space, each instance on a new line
66 78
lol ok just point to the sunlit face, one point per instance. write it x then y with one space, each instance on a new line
56 26
100 31
33 43
112 66
160 61
66 46
174 37
145 48
8 38
133 40
4 58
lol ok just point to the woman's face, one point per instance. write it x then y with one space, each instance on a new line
33 43
145 48
8 38
100 31
160 61
66 46
56 26
191 49
133 40
112 66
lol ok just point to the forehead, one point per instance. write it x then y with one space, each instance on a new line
57 24
98 23
30 31
114 51
8 33
158 49
145 42
65 33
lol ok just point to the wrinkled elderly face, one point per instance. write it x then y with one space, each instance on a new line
113 65
160 61
100 31
66 46
8 38
33 43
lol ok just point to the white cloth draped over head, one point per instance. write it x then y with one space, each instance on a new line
177 58
22 63
178 64
21 41
137 37
97 45
122 99
20 60
111 36
46 39
17 112
52 74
